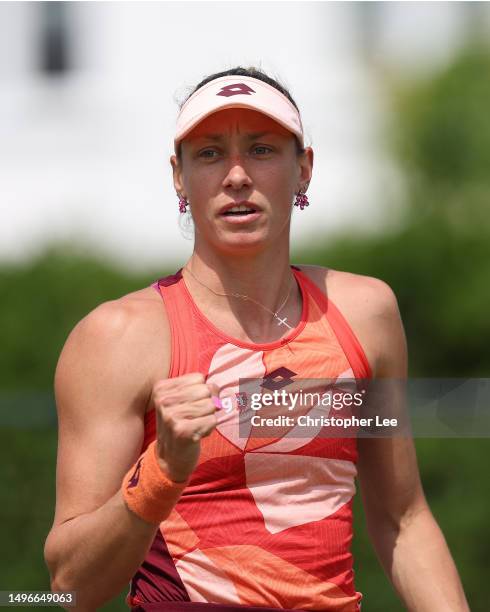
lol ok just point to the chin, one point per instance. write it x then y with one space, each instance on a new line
244 243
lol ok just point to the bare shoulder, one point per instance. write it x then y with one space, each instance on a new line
368 304
131 333
353 290
132 319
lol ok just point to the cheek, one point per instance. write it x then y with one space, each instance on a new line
200 183
279 182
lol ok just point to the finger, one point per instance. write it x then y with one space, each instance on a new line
190 378
195 410
185 430
213 388
190 393
179 381
205 428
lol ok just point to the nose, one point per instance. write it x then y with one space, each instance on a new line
237 176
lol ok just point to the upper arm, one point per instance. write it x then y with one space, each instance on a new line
387 466
102 386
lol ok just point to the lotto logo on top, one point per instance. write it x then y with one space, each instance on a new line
280 377
235 90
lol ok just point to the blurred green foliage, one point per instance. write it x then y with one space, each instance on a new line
41 301
437 261
444 135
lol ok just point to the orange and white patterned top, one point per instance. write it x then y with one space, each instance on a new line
263 523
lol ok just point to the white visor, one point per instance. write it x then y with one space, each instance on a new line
242 92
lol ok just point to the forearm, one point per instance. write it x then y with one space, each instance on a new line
418 562
96 554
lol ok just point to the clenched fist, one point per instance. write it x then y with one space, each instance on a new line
185 413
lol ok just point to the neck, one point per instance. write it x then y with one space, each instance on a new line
265 277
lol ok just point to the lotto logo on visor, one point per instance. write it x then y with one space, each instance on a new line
235 89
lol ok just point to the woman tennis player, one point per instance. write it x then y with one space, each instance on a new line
156 483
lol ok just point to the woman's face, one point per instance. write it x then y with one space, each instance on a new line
238 156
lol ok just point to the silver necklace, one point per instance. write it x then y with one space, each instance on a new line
242 296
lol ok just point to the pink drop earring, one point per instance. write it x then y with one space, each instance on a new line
301 199
182 204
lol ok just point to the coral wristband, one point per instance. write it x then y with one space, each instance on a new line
147 491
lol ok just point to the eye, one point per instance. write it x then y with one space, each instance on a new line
207 153
262 149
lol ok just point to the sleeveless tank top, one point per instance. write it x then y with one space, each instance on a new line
263 523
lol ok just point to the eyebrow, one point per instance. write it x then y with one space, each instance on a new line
253 136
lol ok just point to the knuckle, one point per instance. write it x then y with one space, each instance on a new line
168 420
190 378
204 406
207 392
197 377
213 389
161 385
180 430
168 399
162 401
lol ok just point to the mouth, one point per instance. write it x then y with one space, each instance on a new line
238 213
241 209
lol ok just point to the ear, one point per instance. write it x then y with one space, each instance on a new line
306 168
177 175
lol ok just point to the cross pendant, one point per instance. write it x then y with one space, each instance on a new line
283 322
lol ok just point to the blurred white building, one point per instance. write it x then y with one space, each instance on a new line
87 109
